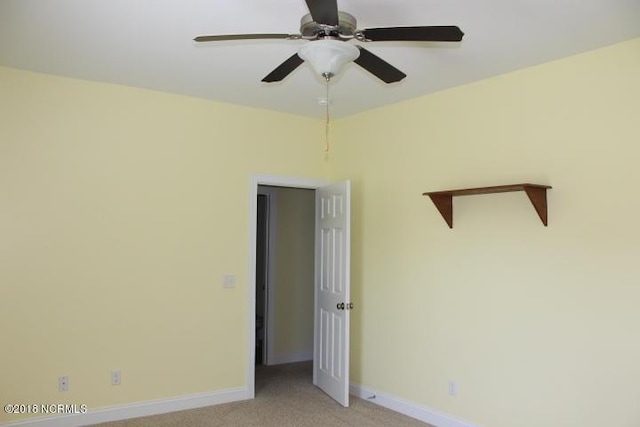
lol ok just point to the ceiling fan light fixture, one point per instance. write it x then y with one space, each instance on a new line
327 57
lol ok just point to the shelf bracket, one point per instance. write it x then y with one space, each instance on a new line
444 204
538 197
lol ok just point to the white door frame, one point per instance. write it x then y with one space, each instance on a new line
254 182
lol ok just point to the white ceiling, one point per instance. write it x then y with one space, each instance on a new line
148 43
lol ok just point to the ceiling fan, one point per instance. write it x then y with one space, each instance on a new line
327 29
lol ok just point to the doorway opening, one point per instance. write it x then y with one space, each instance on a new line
284 286
331 289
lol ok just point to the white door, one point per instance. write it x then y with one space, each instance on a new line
332 289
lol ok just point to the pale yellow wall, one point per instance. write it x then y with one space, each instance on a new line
121 208
293 275
120 211
539 326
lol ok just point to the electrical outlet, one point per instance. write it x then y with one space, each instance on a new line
116 377
453 388
63 383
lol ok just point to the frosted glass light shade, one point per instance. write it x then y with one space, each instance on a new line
327 57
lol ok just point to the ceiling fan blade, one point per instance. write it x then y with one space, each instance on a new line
284 69
449 33
324 11
378 67
245 37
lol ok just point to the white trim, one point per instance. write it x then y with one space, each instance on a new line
288 181
136 410
254 181
413 410
279 359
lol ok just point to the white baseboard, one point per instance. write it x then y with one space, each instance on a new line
135 410
405 407
290 358
163 406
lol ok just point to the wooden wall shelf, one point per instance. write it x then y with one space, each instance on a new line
444 199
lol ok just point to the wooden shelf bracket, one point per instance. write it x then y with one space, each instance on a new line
443 200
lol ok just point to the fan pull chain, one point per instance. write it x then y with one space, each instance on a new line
326 125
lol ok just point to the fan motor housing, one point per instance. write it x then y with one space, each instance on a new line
346 26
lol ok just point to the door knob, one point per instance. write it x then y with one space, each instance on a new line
340 306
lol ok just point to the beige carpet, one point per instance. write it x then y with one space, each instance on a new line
285 397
